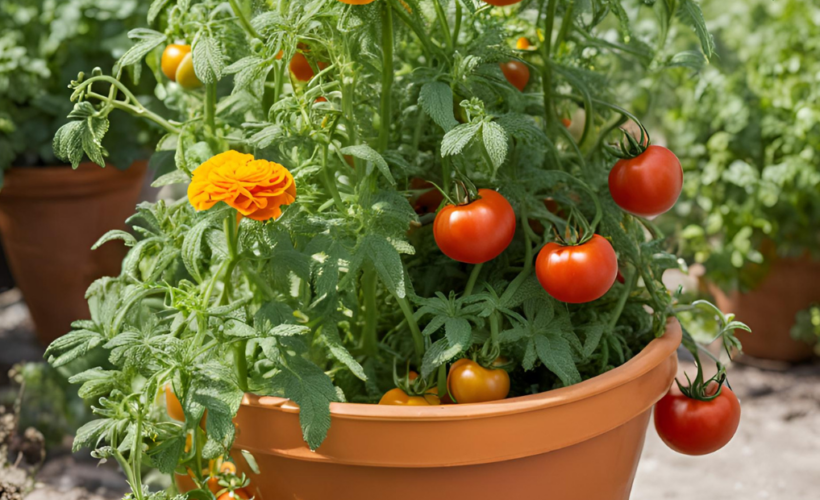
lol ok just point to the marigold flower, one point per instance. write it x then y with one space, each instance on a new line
255 188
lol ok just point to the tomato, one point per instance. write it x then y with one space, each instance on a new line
397 397
648 184
227 468
240 493
476 232
213 484
189 441
171 58
577 273
185 75
427 202
172 404
321 99
501 3
300 67
470 382
567 122
357 2
694 427
517 73
522 43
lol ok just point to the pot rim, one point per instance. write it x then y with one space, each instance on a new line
658 350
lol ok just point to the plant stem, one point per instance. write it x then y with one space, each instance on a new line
566 25
138 111
629 283
546 68
468 290
525 272
457 27
330 182
423 38
243 20
370 341
445 27
418 339
241 364
210 107
441 385
387 76
137 452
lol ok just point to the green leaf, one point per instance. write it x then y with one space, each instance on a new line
457 139
688 59
115 234
439 353
308 386
436 99
330 336
96 382
72 346
209 61
458 332
690 13
155 9
365 152
175 177
554 351
165 457
148 41
495 141
387 261
192 247
91 433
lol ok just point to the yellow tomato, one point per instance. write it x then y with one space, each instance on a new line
172 56
185 75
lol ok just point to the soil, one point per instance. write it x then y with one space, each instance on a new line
775 455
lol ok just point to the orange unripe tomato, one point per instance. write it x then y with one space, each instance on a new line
567 122
397 397
517 73
172 404
320 99
240 493
522 43
357 2
172 56
185 75
300 67
501 3
470 382
227 468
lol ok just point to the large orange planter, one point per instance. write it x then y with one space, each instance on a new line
790 286
577 443
50 217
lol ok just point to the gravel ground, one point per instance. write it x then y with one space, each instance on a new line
775 455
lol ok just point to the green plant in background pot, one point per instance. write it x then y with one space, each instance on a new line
43 44
751 199
382 209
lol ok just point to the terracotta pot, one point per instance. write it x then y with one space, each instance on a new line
577 443
49 218
790 286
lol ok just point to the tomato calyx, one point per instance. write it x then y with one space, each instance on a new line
411 383
630 147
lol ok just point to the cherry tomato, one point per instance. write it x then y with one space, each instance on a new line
213 484
694 427
501 3
578 273
171 58
476 232
397 397
300 67
227 468
185 75
240 493
321 99
357 2
522 43
517 73
427 202
172 404
567 122
470 382
648 184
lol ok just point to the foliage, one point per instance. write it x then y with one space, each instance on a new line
43 44
748 134
320 304
807 326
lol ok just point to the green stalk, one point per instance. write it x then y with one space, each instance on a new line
241 364
525 272
370 341
139 112
445 27
457 27
210 107
330 182
494 327
566 25
441 385
629 283
240 14
137 452
387 76
546 68
468 290
418 339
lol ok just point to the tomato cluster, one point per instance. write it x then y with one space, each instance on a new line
177 64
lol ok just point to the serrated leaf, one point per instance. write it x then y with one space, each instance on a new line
175 177
691 14
209 61
155 9
458 332
192 248
495 141
457 139
165 456
436 99
365 152
330 336
72 346
115 234
555 352
439 353
387 261
148 41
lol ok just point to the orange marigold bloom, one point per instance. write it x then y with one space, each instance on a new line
255 188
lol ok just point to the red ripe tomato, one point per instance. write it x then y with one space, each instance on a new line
397 397
694 427
476 232
517 73
577 273
171 58
470 382
427 202
648 184
501 3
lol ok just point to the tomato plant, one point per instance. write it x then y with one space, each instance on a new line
172 57
475 232
311 253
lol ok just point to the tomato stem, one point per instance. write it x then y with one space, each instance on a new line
418 338
241 364
330 181
445 27
370 342
387 76
629 283
546 68
243 20
468 290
